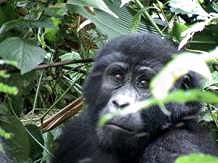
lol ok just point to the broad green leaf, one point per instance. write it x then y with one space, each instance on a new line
187 7
109 25
197 158
104 22
36 141
18 143
8 89
24 23
26 55
99 4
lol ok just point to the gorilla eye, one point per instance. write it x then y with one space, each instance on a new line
143 84
119 76
117 72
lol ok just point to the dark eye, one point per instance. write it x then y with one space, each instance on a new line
119 76
142 83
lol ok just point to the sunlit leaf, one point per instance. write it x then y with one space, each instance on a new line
181 96
8 89
12 63
123 2
177 30
99 4
4 134
181 65
3 74
189 7
197 158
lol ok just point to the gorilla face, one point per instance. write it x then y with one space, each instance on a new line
124 84
121 76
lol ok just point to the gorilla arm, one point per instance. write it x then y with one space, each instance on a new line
191 138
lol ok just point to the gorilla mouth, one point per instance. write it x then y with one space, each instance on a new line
115 126
120 128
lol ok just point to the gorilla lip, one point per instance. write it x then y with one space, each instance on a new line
126 130
119 127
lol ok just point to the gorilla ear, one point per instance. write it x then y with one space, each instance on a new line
191 80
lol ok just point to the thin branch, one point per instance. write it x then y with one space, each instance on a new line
63 63
37 93
68 111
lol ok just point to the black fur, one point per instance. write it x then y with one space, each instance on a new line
146 137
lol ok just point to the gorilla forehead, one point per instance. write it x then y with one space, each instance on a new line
135 49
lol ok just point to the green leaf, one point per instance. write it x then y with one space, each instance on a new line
26 55
178 67
3 74
187 7
177 30
189 33
24 23
181 96
36 140
4 134
197 158
7 89
109 25
18 143
137 20
12 63
49 142
99 4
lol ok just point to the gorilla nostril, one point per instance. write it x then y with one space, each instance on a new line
124 105
120 105
115 103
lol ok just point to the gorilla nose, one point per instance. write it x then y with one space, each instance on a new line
120 104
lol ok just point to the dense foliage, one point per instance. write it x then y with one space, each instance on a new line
46 48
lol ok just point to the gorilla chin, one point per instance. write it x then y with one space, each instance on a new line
114 137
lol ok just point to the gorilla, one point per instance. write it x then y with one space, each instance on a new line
120 77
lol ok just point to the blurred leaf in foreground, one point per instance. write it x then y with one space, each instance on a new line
197 158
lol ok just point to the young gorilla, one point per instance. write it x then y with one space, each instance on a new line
120 77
